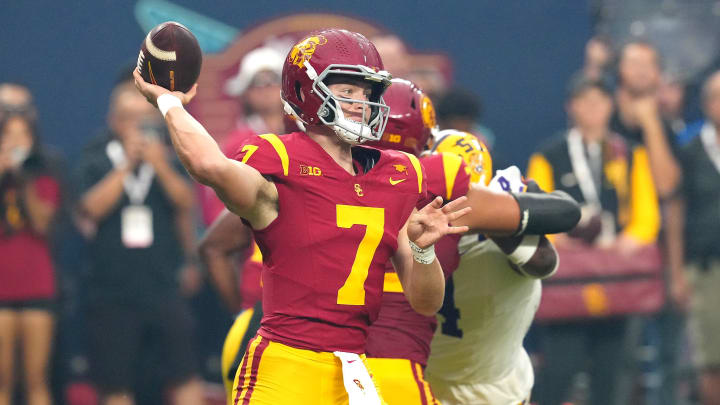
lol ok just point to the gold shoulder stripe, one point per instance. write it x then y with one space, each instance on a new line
416 164
392 283
451 166
280 149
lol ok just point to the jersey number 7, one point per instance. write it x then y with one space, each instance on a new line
352 291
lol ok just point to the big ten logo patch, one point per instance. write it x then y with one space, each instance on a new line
398 139
392 138
310 170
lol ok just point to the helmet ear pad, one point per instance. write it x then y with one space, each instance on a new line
328 114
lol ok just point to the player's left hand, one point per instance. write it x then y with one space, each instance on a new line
431 223
153 91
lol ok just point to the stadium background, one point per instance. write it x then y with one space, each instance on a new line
516 55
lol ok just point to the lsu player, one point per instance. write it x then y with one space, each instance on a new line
327 215
398 343
477 355
225 242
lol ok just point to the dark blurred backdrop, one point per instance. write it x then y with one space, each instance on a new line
516 55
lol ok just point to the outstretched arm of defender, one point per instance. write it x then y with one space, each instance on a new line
502 214
530 255
242 188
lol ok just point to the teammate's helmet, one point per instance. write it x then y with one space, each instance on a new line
412 118
466 145
324 54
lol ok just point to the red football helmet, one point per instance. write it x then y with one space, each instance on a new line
321 55
412 118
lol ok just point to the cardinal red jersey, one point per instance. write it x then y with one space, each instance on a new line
400 332
250 286
325 253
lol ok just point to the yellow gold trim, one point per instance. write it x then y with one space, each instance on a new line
426 387
256 256
248 367
280 149
392 283
416 164
451 166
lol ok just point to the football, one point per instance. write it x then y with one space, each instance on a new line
170 57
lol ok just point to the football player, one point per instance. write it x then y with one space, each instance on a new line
327 215
225 242
490 300
398 342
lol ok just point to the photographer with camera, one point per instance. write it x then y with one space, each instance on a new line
136 208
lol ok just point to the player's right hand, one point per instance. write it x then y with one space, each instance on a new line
152 91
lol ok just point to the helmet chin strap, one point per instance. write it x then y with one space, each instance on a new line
350 131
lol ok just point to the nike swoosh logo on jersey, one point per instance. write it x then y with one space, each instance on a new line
394 182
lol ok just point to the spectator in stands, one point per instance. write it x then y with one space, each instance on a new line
671 100
394 54
141 209
460 109
610 177
257 88
29 200
598 59
638 117
694 254
640 98
16 97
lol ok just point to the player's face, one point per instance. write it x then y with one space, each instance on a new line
591 109
356 90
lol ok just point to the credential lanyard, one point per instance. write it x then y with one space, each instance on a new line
581 168
136 187
708 136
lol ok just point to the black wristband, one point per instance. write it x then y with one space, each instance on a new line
546 213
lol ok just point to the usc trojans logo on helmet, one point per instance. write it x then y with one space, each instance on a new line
304 50
428 112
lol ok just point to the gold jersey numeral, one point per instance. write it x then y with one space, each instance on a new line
352 291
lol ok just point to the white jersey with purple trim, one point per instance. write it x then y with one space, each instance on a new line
487 311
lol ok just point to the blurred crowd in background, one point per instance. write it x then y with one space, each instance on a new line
84 285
